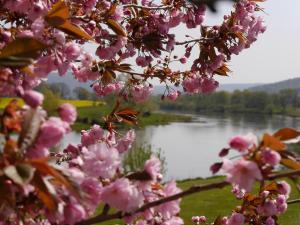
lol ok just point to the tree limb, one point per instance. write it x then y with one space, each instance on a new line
189 191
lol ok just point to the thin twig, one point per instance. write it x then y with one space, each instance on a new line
294 201
187 42
148 7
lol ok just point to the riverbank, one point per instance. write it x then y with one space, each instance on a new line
219 202
87 116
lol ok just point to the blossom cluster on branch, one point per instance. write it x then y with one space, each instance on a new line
41 186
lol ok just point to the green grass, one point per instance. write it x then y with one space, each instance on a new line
217 202
88 116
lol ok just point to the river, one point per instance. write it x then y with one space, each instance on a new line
190 148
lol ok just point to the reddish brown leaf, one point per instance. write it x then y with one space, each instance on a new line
58 17
127 115
271 187
116 27
21 52
43 192
108 76
223 70
273 143
286 134
45 169
290 163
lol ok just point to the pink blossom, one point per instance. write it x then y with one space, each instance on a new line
153 167
51 132
141 93
192 84
284 188
101 160
282 208
173 221
173 95
142 61
141 222
195 219
86 139
268 208
271 157
242 142
103 90
125 143
74 213
60 37
270 221
96 132
281 199
183 60
38 26
218 62
106 53
176 18
33 98
72 51
242 173
93 189
236 219
84 74
170 209
45 65
37 151
209 85
122 195
67 112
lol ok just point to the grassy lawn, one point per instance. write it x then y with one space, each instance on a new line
219 202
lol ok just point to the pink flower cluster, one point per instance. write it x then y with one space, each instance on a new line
247 24
242 173
51 130
242 143
141 93
198 84
103 90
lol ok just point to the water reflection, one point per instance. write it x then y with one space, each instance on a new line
190 148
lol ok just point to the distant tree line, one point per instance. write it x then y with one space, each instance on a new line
63 91
284 102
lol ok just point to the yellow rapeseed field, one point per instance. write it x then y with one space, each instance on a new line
76 103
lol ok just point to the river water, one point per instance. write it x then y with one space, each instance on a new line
190 148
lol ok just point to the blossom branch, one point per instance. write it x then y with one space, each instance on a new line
189 191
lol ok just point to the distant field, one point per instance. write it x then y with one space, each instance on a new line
83 103
5 101
76 103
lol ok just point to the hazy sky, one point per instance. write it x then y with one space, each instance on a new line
276 54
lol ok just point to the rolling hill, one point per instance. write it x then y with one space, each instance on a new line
293 83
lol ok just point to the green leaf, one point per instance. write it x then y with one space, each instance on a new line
20 174
30 128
